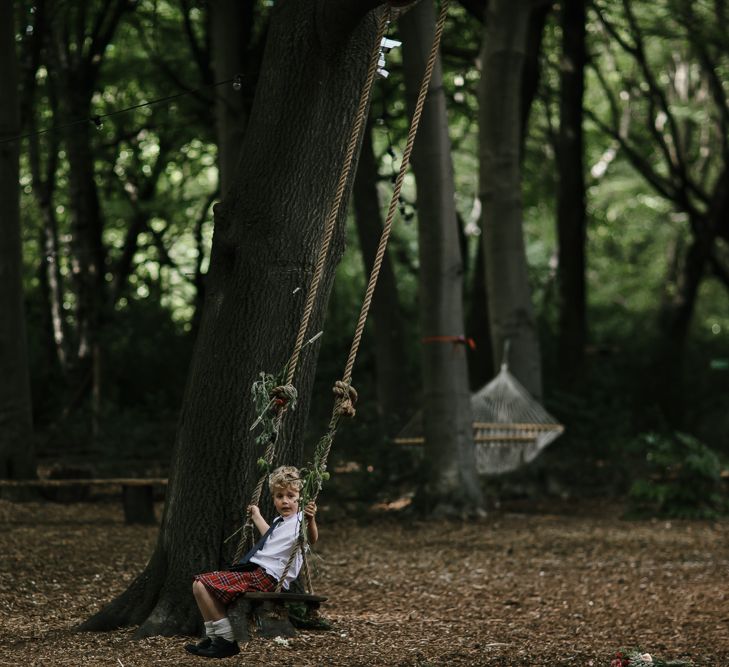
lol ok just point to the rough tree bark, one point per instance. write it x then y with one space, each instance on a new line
231 24
388 339
448 479
267 232
571 222
17 459
511 313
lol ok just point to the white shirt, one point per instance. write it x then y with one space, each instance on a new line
276 552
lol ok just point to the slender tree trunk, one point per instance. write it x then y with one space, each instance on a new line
88 262
17 458
50 268
78 37
389 340
679 301
448 477
675 319
43 165
89 256
571 220
511 313
531 72
480 360
267 233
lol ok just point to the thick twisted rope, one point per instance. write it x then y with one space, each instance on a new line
334 211
279 398
329 226
345 394
387 228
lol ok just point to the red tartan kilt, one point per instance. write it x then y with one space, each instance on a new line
226 586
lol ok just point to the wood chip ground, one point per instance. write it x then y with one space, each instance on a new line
554 587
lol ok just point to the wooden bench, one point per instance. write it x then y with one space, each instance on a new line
137 493
268 613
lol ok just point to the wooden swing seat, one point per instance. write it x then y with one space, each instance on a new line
267 615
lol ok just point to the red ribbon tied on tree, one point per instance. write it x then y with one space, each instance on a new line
456 340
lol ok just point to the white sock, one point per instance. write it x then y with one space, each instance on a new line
222 628
209 629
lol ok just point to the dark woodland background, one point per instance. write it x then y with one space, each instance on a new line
625 235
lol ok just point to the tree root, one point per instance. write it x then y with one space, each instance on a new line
158 604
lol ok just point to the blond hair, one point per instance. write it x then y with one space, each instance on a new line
285 476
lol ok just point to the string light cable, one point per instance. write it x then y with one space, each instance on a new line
97 119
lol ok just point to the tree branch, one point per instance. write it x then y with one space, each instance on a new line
104 29
675 160
170 72
663 187
200 56
710 69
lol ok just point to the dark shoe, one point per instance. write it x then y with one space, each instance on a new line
219 648
194 648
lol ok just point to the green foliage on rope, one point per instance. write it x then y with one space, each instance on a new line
315 474
265 403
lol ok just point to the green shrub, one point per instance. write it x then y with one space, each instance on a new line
680 477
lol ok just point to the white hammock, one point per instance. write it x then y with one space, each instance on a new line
509 427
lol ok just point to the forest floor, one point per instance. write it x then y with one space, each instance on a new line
567 584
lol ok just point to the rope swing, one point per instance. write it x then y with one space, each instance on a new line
273 397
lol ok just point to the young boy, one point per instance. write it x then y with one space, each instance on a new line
260 569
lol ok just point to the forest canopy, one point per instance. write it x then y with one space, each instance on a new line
121 167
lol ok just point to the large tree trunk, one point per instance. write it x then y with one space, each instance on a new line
231 29
571 193
448 478
511 313
17 459
267 234
389 340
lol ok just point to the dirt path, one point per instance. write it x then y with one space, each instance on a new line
514 589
